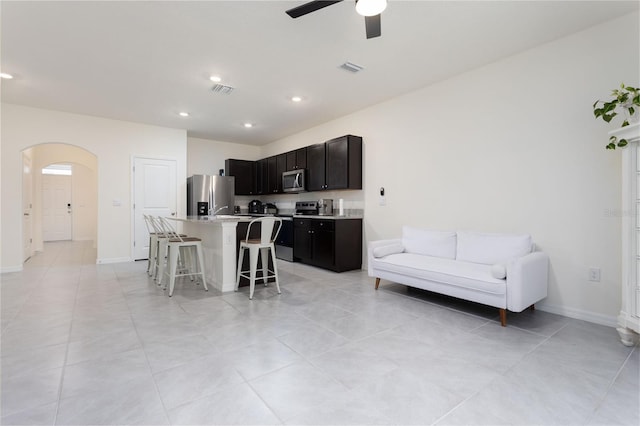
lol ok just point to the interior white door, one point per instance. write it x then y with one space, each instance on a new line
56 207
27 203
155 193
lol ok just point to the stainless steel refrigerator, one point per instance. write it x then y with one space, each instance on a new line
209 195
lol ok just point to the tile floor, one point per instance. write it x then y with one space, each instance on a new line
102 344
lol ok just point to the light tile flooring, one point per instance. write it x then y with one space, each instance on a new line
102 344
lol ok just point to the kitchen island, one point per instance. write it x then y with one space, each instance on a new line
219 239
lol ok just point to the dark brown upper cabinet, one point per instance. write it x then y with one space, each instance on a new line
344 163
297 159
276 165
316 167
245 173
262 177
335 164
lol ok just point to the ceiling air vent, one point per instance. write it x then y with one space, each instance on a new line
351 67
221 88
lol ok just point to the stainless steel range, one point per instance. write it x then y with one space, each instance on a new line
307 207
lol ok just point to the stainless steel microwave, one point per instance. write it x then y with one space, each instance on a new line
294 181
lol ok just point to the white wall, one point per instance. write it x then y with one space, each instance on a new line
113 142
206 157
510 147
85 203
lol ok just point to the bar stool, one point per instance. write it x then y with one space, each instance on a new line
171 247
262 245
153 245
159 249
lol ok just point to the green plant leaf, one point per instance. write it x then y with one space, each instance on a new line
611 146
625 123
608 117
622 143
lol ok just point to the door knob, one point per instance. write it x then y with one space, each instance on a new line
173 213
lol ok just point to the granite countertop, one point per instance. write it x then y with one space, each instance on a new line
213 219
247 218
333 217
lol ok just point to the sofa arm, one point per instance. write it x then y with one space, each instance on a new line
374 244
527 279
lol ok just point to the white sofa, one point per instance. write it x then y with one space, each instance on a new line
499 270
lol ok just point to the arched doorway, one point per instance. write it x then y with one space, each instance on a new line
83 181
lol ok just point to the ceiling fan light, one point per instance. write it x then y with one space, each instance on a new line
370 7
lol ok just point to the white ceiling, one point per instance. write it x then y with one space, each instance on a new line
146 61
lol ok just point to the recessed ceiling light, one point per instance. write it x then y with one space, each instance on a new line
248 125
183 114
215 79
5 75
296 99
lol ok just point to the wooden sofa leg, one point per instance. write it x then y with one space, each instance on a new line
377 282
532 307
503 317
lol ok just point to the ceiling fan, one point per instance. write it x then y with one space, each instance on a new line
370 9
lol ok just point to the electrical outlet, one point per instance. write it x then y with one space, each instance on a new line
594 274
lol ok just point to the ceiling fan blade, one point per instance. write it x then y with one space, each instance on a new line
373 26
309 7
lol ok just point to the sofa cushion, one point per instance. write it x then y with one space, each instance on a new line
468 275
428 242
388 249
491 248
499 271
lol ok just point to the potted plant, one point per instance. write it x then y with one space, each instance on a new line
626 98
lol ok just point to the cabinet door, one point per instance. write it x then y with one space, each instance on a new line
244 172
261 177
323 243
281 167
272 181
291 160
301 158
337 164
316 167
297 159
302 240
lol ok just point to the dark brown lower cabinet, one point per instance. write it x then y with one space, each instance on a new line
327 243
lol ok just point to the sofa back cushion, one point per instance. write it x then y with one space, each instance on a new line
429 243
491 248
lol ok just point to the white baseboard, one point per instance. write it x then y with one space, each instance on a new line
8 269
608 320
113 260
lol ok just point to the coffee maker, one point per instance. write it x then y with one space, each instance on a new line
325 207
255 207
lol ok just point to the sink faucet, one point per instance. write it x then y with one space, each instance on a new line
215 212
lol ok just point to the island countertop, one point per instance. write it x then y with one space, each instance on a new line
212 219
